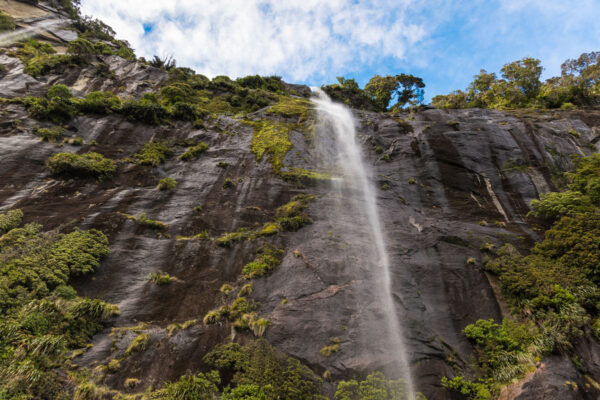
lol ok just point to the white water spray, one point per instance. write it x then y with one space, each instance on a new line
338 120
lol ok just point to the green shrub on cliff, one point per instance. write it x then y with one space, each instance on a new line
7 23
193 151
100 103
267 259
57 106
41 317
86 164
167 184
10 220
374 387
153 153
553 291
147 109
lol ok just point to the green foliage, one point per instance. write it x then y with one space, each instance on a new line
144 220
374 387
153 153
270 83
40 58
291 216
40 316
200 386
193 151
578 85
147 109
100 103
139 343
268 259
554 205
161 278
554 289
86 164
347 91
502 350
228 239
57 106
586 177
470 390
271 138
261 365
334 347
82 49
406 89
292 107
166 184
7 23
50 134
10 220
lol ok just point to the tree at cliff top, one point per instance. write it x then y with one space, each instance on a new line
578 86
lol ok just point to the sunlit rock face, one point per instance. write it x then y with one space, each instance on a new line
436 176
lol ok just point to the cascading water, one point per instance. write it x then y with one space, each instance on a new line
336 124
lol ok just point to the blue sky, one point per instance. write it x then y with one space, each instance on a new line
312 41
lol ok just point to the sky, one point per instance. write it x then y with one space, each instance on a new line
445 42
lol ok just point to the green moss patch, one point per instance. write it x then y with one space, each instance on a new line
153 153
268 259
87 164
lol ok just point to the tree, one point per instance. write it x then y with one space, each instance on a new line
525 75
407 89
380 90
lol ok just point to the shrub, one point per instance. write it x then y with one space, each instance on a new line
260 364
10 220
114 365
41 318
184 111
229 238
81 48
86 164
291 216
226 289
227 183
99 103
6 22
57 106
138 344
375 386
144 220
39 58
153 153
147 109
268 259
193 151
470 390
166 184
327 351
552 206
200 386
161 278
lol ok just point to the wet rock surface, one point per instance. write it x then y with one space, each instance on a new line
439 174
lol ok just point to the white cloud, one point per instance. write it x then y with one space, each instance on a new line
299 39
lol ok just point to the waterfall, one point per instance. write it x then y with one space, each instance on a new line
336 123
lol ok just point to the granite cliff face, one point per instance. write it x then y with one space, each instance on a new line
440 172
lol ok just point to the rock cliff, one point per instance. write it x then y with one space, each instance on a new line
440 174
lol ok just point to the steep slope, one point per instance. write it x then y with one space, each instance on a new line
440 172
